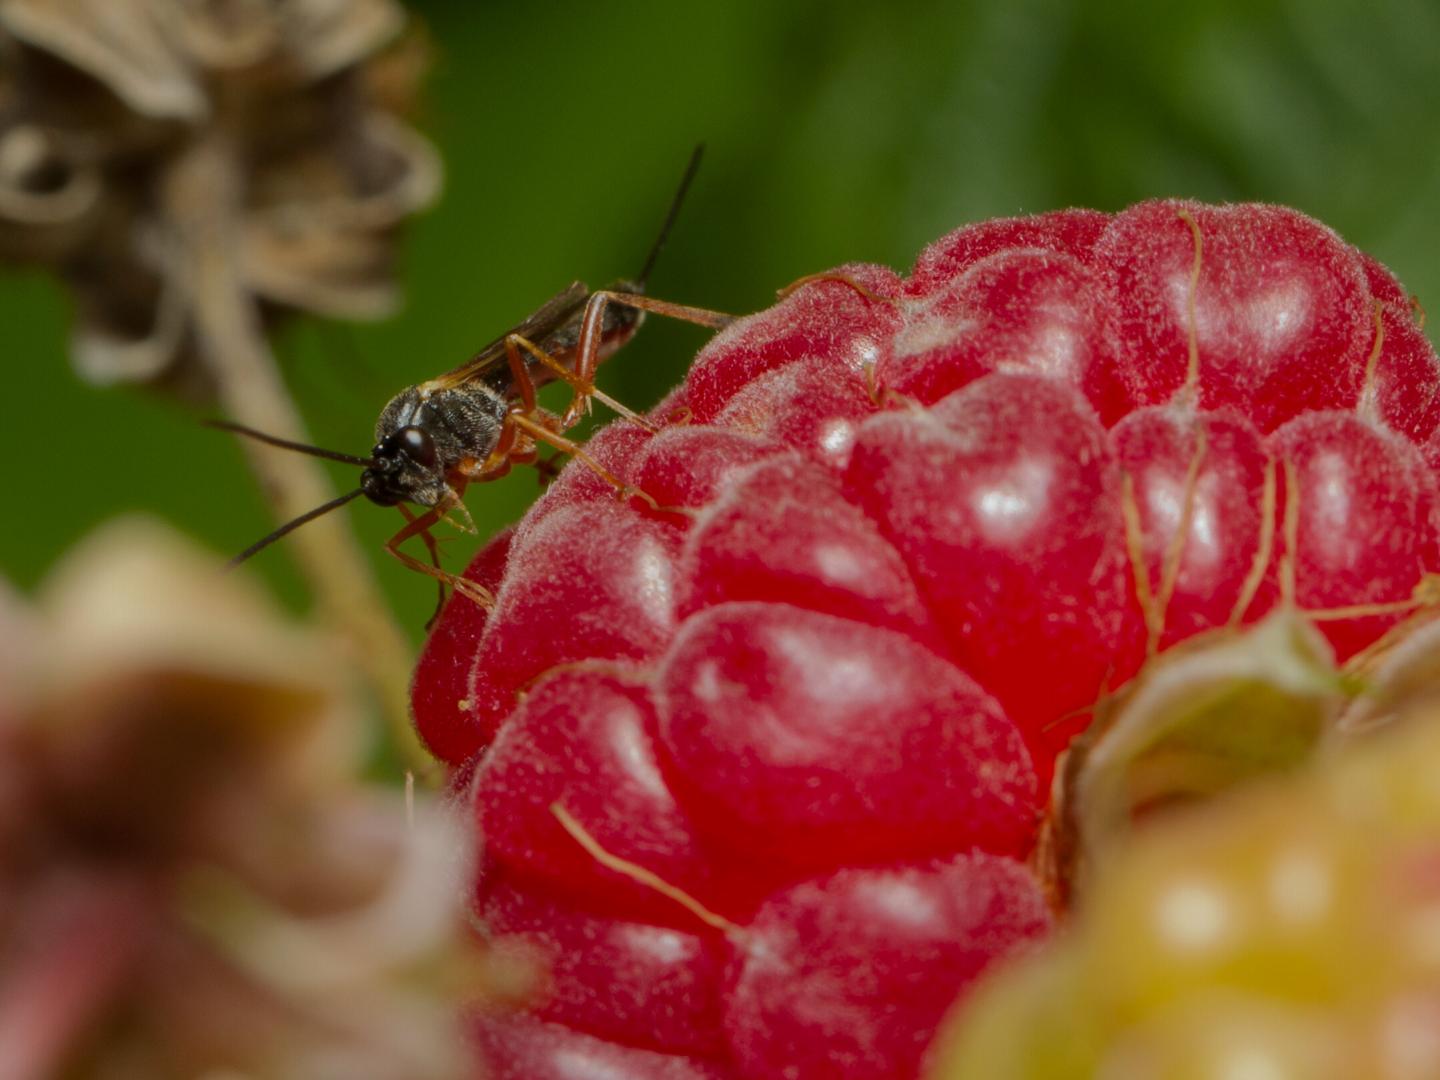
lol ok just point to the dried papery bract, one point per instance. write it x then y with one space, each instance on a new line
192 171
1208 715
196 878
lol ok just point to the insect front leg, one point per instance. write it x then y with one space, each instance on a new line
592 326
434 549
421 525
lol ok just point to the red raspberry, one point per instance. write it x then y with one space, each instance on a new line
908 532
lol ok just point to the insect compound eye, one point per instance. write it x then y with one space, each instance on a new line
418 446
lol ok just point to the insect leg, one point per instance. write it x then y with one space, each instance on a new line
587 350
835 275
434 551
547 469
542 434
421 525
524 385
582 389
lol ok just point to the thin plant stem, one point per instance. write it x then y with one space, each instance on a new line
202 203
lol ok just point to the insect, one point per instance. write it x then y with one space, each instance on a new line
472 424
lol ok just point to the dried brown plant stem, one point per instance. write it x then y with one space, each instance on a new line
202 201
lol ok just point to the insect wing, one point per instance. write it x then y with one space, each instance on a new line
539 325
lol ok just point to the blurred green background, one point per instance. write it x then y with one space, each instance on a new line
835 131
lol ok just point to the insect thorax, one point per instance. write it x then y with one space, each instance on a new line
463 422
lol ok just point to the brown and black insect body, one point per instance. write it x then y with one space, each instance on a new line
473 423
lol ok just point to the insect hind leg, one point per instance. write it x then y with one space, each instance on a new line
592 326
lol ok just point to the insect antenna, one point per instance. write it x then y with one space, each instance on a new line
670 216
286 444
291 525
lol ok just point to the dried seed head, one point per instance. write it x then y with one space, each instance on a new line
101 99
